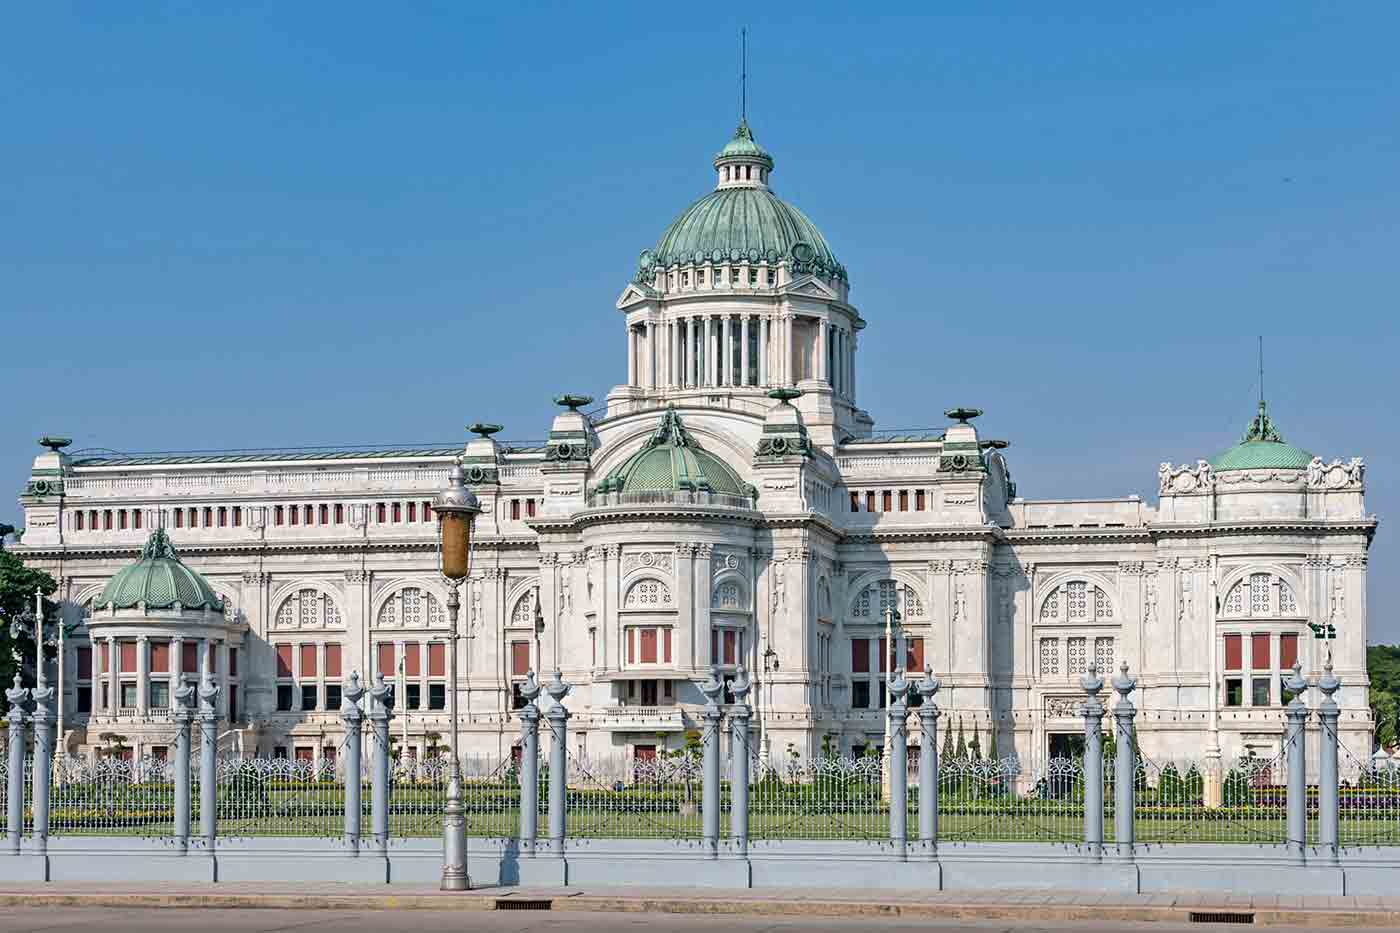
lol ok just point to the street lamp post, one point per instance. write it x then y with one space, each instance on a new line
891 617
770 666
456 508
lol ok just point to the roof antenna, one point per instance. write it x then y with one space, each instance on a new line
1261 370
744 75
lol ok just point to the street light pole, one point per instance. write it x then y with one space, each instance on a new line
456 508
770 666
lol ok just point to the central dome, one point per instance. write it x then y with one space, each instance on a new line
742 220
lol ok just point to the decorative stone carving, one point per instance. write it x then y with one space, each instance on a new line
778 590
1130 568
660 561
258 578
724 562
1185 478
566 595
1336 475
648 594
357 576
1149 598
1062 707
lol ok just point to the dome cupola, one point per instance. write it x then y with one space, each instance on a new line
1261 448
743 163
671 461
159 580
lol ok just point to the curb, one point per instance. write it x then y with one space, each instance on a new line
593 903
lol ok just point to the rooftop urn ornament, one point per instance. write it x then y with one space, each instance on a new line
995 444
484 429
55 444
963 415
785 394
573 402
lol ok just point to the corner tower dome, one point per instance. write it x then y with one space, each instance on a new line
672 461
159 580
742 220
1261 448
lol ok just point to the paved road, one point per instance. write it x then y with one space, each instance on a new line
59 919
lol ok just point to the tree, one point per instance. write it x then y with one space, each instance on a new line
947 752
1383 667
17 586
974 747
960 750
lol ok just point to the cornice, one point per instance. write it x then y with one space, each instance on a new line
235 550
984 533
1156 531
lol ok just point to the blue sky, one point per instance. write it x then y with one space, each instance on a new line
252 225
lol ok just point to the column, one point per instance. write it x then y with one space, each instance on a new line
763 350
928 765
689 651
701 590
208 741
1327 773
183 697
143 675
529 766
673 357
14 785
97 675
1296 763
380 712
785 368
823 341
689 335
740 757
653 355
726 357
744 351
710 801
707 354
114 665
1125 765
1092 711
631 356
558 761
222 668
855 344
353 718
841 360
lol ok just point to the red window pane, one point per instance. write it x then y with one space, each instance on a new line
1259 653
919 500
189 658
104 659
530 507
714 646
223 516
107 520
398 512
193 516
515 509
904 500
411 665
860 655
121 519
648 645
307 514
325 515
85 662
1287 651
413 511
385 658
1234 653
339 514
666 645
160 657
277 515
284 660
886 504
208 517
855 502
136 519
78 521
870 502
884 656
437 659
293 515
427 511
915 659
381 513
308 661
237 516
730 639
519 657
128 659
333 660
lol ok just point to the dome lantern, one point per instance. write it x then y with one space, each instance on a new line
742 163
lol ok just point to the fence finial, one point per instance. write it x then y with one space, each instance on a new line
929 685
740 685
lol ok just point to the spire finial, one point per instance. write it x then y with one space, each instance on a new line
1261 372
744 76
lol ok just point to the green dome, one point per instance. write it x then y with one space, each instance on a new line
743 146
158 581
1262 448
672 461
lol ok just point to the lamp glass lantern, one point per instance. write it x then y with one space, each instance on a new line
457 508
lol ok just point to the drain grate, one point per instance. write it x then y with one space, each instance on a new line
524 903
1219 916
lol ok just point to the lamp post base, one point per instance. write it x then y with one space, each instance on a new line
454 848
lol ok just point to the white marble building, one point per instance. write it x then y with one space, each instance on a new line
697 520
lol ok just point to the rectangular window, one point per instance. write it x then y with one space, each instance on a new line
128 655
714 646
307 514
180 518
339 514
1234 653
904 500
515 509
238 516
530 508
280 751
398 512
233 702
208 517
1259 653
437 696
121 519
160 752
753 276
129 695
1259 691
1287 651
886 501
666 645
160 657
308 696
84 662
380 513
855 502
104 662
884 656
85 700
324 515
78 521
666 689
411 666
731 639
415 696
308 661
106 700
520 658
413 511
860 694
277 515
437 659
648 645
160 694
1234 692
189 657
880 695
517 700
284 660
92 519
333 697
233 662
223 516
136 519
333 659
914 655
305 753
427 511
870 501
293 515
860 655
385 657
107 520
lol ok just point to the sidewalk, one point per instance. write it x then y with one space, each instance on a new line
1026 905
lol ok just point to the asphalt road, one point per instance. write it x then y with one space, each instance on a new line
428 921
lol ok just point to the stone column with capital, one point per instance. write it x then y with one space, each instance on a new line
529 766
14 798
744 379
713 689
631 355
726 354
741 754
1328 776
143 675
1125 763
1296 763
1092 710
558 718
928 764
701 601
353 718
898 763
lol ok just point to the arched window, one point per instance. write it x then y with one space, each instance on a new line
729 595
884 594
524 611
647 594
411 607
1261 595
308 608
1077 601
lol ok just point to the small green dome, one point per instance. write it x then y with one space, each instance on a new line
743 146
158 580
1262 448
672 461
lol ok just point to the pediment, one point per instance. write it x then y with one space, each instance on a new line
809 286
634 294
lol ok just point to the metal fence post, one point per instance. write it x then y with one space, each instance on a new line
354 740
16 695
709 804
184 719
1125 764
1092 711
739 762
898 713
558 761
43 763
381 697
1327 772
928 764
208 766
1297 763
529 766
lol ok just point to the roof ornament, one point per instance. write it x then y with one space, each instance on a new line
55 444
158 546
744 83
670 431
963 415
1262 428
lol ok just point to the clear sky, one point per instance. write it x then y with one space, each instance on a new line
280 224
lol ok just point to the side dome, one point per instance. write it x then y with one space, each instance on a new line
158 580
742 220
672 461
1262 448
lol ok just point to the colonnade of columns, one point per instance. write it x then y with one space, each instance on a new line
114 674
740 350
